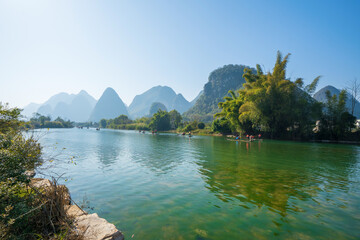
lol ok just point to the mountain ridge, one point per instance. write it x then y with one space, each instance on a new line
140 106
220 81
108 106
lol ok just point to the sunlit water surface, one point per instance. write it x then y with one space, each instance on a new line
173 187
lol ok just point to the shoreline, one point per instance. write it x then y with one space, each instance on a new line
88 226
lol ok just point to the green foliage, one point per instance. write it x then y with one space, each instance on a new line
9 118
123 122
155 107
40 121
17 155
175 119
120 122
221 80
144 120
189 128
103 123
336 121
25 212
160 121
272 103
201 125
122 119
221 126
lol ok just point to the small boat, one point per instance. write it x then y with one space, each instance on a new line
97 129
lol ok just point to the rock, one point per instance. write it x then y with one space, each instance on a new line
40 183
90 226
95 228
74 211
30 173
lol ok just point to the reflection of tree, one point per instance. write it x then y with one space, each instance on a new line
273 174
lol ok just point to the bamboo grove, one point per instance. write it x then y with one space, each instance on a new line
274 105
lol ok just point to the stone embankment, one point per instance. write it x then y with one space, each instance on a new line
90 226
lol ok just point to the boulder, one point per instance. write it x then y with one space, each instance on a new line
30 173
90 226
40 183
95 228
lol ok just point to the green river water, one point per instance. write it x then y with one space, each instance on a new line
174 187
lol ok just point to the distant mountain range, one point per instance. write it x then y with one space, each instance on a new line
141 104
321 97
82 107
76 107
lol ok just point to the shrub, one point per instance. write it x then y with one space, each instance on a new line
221 126
201 125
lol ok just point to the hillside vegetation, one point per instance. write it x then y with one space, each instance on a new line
221 80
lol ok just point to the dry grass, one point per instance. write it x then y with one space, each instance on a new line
52 218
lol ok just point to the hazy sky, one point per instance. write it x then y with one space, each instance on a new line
47 47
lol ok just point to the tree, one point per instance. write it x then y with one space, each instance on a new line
122 119
354 91
220 81
103 123
221 125
270 102
201 125
336 121
155 107
230 110
175 119
9 118
160 121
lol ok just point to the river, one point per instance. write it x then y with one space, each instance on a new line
173 187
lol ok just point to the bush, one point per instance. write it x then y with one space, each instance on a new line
188 128
160 121
26 212
221 126
201 125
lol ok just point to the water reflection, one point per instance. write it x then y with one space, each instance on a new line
276 175
108 146
160 153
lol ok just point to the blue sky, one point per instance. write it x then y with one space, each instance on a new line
47 47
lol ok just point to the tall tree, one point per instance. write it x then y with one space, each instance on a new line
354 91
336 121
160 121
270 102
175 119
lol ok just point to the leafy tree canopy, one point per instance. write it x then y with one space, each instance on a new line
160 121
270 102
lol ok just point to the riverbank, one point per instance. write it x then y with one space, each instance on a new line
84 225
